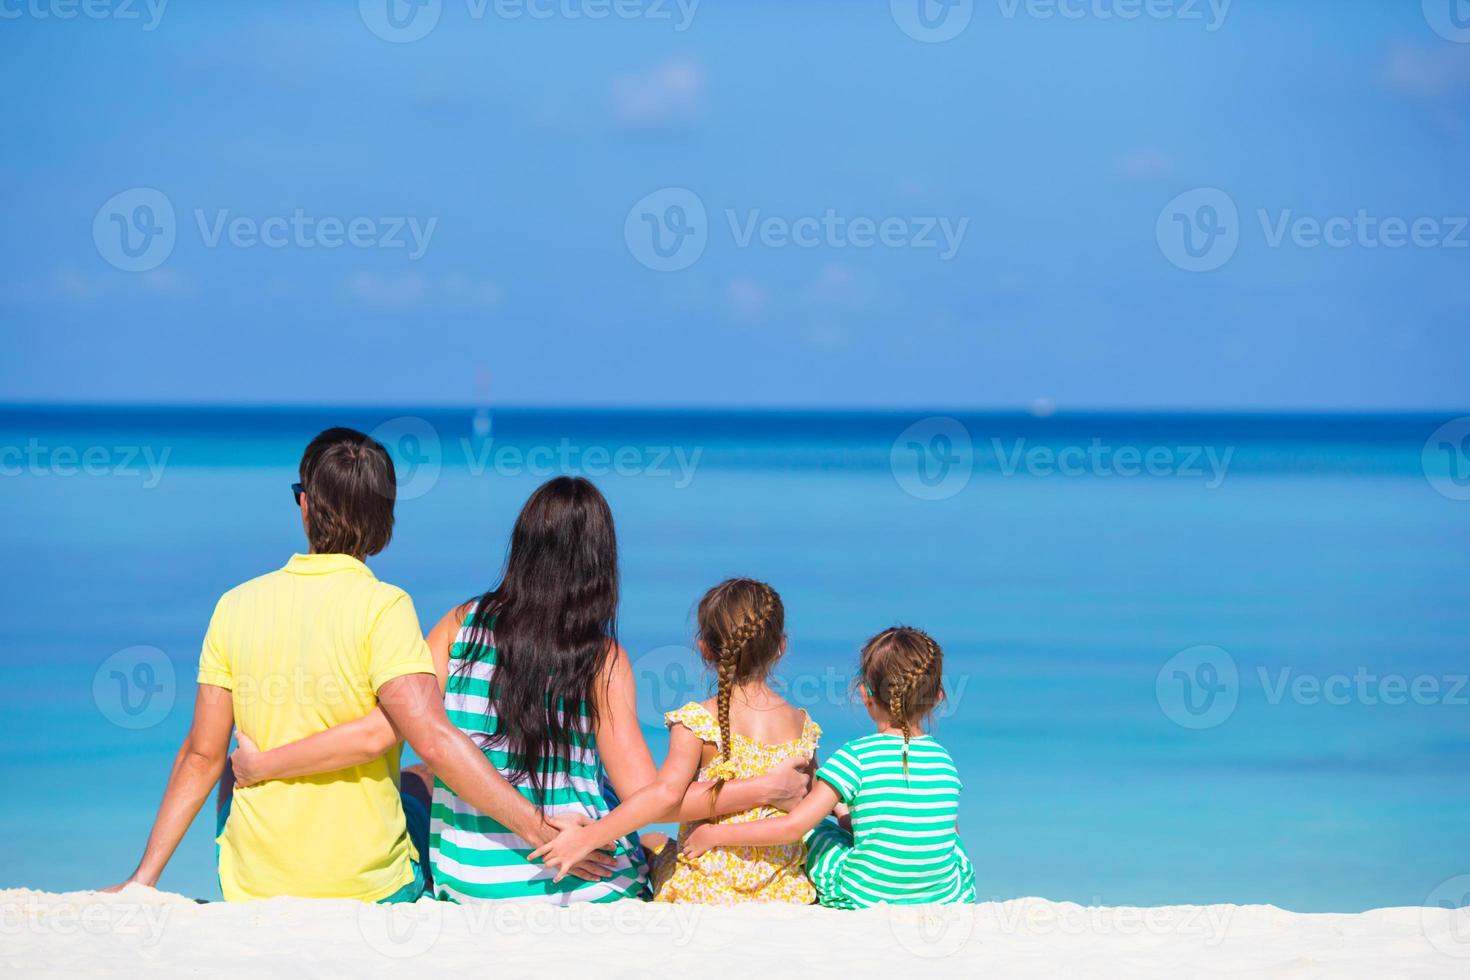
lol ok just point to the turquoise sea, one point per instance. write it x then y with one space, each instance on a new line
1191 658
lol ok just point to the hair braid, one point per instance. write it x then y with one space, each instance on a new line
903 685
729 663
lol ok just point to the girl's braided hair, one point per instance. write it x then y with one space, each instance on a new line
904 669
742 626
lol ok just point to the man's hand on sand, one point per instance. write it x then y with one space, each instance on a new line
114 889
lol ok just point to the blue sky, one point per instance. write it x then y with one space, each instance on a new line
1050 147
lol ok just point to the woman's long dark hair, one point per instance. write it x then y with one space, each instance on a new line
554 619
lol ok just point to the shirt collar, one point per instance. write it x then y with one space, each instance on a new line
325 564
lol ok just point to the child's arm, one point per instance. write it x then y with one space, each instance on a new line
630 767
349 744
774 830
650 803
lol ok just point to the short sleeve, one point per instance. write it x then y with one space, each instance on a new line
811 737
843 773
396 647
214 662
695 717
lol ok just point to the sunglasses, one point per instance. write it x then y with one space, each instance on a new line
296 491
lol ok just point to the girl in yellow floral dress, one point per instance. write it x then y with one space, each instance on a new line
746 730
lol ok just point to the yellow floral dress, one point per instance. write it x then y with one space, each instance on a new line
729 875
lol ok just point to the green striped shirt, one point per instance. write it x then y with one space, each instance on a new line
475 856
905 847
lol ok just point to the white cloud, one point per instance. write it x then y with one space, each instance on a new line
411 289
836 287
669 94
747 298
1144 163
1442 72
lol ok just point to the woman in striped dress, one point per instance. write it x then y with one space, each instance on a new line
533 674
897 790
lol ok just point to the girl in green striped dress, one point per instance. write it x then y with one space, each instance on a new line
894 835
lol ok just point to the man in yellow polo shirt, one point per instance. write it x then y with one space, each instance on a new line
295 652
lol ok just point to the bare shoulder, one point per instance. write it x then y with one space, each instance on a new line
452 620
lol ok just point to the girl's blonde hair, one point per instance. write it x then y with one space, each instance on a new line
904 669
742 626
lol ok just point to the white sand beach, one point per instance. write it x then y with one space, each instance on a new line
157 934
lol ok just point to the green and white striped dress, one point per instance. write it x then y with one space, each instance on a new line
477 858
904 848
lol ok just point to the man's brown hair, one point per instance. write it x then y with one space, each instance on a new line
350 488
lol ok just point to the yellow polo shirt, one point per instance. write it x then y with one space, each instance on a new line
301 650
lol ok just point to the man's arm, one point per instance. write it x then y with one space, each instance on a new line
415 706
197 768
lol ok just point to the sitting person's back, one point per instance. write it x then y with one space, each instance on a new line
747 730
303 649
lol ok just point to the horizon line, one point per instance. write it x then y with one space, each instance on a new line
1037 412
